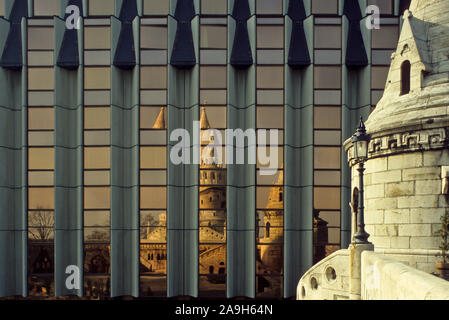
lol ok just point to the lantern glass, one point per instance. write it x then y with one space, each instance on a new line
361 149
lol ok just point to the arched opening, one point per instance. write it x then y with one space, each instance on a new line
211 269
405 77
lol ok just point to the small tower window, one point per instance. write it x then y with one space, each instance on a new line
267 230
405 77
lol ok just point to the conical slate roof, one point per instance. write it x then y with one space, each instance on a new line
424 42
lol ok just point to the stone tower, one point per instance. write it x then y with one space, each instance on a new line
408 151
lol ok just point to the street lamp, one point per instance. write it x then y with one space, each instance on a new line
360 142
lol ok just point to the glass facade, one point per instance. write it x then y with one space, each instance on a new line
262 91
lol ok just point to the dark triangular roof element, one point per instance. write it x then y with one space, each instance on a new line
68 57
355 47
183 55
12 53
298 55
125 53
241 55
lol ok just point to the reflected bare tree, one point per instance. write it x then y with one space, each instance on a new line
41 223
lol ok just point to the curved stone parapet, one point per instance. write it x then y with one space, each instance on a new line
327 280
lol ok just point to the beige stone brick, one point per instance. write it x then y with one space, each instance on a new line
400 242
379 204
370 229
418 202
376 165
385 230
406 160
424 173
375 191
415 230
427 267
400 189
374 216
397 216
424 242
436 158
436 227
428 186
386 177
380 242
429 215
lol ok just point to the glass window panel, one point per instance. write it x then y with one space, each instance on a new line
40 138
217 262
270 77
270 97
41 198
332 138
214 218
97 38
325 6
153 57
153 157
269 6
213 96
97 58
328 57
274 218
385 6
97 98
153 137
213 56
327 97
270 36
40 38
97 197
2 7
327 178
269 259
153 77
268 233
213 7
40 58
334 235
153 197
376 95
97 118
212 233
213 285
327 78
326 198
267 286
379 77
96 137
153 218
327 157
332 218
40 234
327 37
46 7
155 256
153 177
153 97
96 234
97 218
156 7
96 178
40 98
381 57
41 118
101 7
148 116
153 37
97 78
269 179
213 77
41 158
97 158
213 37
270 56
41 79
41 218
270 197
270 117
216 117
386 37
40 178
153 286
327 118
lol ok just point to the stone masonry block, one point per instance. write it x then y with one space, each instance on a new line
424 173
428 215
415 230
400 242
375 191
406 160
428 186
380 242
379 204
400 189
418 202
424 242
376 165
374 217
397 216
436 158
386 177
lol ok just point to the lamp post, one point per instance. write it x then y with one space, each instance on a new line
360 142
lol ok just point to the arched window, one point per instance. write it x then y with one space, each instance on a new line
267 230
405 77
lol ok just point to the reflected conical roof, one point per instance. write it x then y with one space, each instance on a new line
160 120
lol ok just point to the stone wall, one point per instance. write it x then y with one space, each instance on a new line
403 205
384 278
